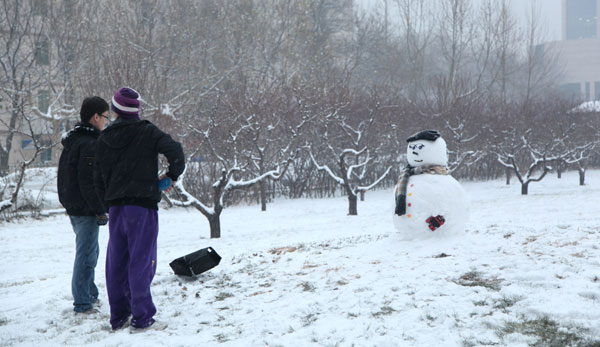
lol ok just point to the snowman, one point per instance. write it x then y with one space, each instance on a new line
429 202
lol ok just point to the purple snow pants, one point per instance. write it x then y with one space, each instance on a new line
131 264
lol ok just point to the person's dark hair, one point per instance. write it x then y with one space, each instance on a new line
92 105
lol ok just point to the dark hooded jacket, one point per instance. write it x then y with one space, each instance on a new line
127 162
75 172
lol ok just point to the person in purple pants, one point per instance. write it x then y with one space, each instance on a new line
126 176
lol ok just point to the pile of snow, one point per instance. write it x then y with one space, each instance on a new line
5 204
588 107
306 274
38 188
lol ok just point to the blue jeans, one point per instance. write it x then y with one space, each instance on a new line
84 290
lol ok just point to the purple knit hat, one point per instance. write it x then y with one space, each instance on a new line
126 103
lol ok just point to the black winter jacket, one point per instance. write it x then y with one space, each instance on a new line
75 172
127 162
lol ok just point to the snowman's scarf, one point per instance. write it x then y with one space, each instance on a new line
403 183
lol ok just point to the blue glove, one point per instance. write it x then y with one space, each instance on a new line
164 184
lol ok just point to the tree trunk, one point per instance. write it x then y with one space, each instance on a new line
5 155
352 205
524 188
559 168
4 170
19 183
257 194
215 226
508 172
362 195
581 177
263 195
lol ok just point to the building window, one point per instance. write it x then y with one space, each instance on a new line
581 19
42 51
46 155
571 90
27 144
69 95
70 52
587 91
69 6
147 13
39 7
538 52
43 100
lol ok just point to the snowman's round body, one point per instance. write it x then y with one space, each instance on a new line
430 195
436 204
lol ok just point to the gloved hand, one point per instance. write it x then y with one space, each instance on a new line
102 219
170 187
435 222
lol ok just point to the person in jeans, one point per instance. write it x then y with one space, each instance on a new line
127 179
78 196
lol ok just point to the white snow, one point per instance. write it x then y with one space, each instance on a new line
430 195
588 106
5 204
306 274
39 188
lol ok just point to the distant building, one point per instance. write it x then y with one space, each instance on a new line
43 55
578 52
580 19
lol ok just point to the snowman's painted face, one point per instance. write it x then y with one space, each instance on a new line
426 153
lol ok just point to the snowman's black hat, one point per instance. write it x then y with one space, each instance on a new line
429 135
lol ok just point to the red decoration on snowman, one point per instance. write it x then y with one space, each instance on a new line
435 222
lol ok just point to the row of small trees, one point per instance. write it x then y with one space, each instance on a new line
300 97
335 142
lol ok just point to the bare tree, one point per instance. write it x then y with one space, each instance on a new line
530 144
416 35
348 149
224 156
538 160
55 116
268 145
539 69
579 156
24 52
506 35
465 149
575 138
26 163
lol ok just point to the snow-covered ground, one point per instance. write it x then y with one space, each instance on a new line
306 274
39 189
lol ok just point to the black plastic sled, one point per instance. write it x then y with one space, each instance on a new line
196 263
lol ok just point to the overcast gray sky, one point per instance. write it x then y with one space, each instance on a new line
550 11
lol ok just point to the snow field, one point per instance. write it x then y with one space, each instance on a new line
306 274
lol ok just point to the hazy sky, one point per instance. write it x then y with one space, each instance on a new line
550 11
